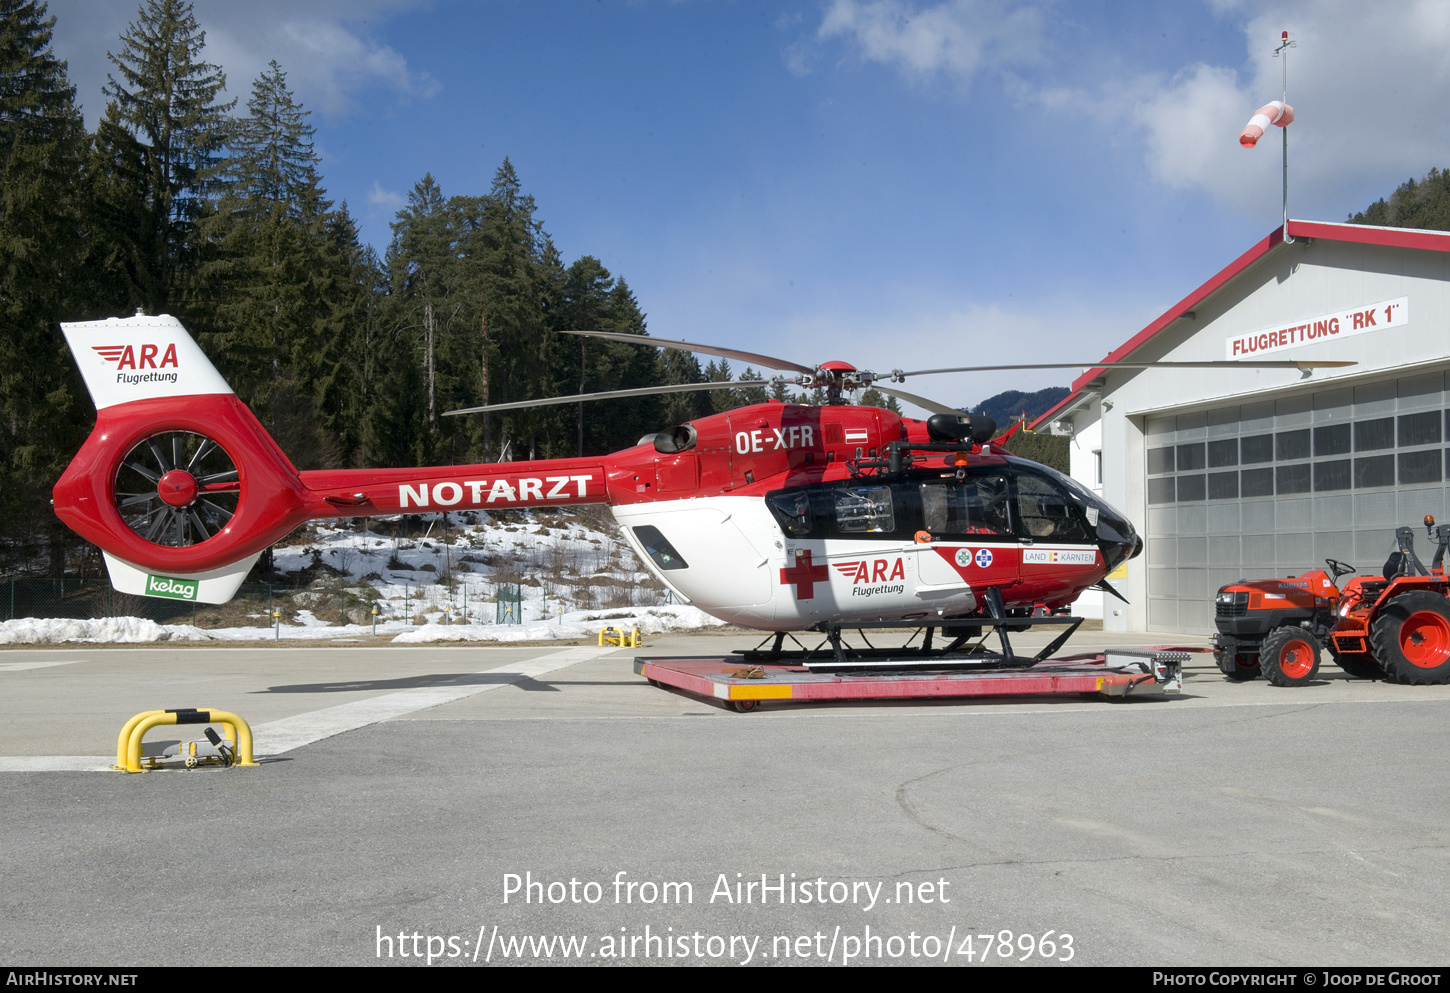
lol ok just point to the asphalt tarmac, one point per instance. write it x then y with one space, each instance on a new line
463 807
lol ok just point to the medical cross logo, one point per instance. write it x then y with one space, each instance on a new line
804 575
984 558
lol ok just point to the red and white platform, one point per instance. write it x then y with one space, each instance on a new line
1129 672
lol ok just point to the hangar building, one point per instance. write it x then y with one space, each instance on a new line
1233 473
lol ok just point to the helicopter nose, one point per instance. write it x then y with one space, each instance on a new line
1137 546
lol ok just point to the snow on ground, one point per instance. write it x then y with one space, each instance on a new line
573 625
563 562
54 630
575 576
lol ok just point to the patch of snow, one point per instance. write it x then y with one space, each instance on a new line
579 624
56 630
474 551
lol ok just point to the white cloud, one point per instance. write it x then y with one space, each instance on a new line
1191 128
328 57
1367 83
333 63
958 38
384 199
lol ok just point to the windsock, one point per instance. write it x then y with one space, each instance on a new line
1274 112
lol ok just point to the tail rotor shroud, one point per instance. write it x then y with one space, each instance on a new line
177 489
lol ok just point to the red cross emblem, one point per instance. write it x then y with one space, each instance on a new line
804 576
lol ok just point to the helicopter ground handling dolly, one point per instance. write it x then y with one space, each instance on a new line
835 670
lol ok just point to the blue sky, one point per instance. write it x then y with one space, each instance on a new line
892 183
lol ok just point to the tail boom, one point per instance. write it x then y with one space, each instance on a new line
182 488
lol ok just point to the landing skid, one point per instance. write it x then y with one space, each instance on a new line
835 655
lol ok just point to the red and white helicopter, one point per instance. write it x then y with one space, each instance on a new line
776 516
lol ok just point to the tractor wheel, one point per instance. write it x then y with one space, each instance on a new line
1239 668
1289 657
1360 665
1411 638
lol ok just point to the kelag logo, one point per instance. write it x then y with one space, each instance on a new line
175 589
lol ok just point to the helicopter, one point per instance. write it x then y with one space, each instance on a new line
775 516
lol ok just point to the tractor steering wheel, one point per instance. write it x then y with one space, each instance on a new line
1338 568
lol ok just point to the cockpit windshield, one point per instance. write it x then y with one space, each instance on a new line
1109 526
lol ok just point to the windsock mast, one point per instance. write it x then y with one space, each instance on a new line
1283 50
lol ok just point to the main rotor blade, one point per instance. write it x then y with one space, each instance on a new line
1300 364
612 394
922 402
685 346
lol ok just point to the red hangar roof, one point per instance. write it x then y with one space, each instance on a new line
1433 241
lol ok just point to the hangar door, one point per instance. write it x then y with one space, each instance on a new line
1275 487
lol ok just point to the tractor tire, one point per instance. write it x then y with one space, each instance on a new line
1360 665
1239 668
1411 638
1289 657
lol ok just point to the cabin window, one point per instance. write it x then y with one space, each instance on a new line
864 509
659 550
792 509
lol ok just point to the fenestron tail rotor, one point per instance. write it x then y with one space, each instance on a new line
177 489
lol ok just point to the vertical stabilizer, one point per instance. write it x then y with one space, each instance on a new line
140 358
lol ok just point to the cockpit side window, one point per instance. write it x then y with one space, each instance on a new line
1045 512
979 505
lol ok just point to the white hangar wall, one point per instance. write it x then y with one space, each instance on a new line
1257 472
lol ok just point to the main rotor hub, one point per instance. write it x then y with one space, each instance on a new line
838 376
177 488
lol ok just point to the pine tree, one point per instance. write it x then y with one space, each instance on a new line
752 394
1046 449
592 300
510 281
158 146
354 293
682 367
875 398
42 146
272 155
421 262
1423 204
721 400
272 288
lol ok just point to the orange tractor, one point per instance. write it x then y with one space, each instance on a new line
1394 627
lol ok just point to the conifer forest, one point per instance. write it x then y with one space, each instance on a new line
190 202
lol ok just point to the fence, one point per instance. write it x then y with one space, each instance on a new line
509 604
254 604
